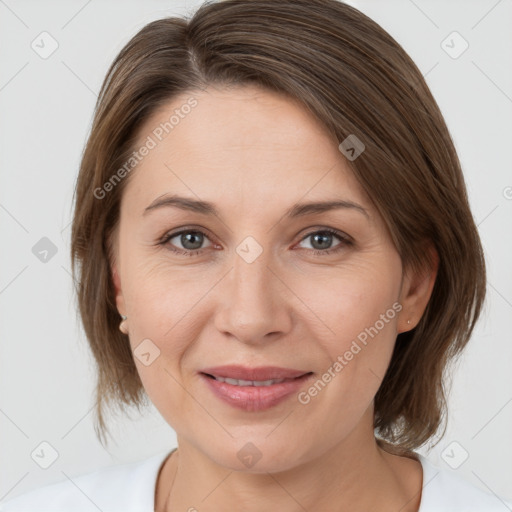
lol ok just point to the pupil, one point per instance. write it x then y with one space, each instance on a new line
189 238
325 236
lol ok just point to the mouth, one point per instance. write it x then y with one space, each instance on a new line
240 382
253 395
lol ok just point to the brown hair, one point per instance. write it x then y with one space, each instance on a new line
356 79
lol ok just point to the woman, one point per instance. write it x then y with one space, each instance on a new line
269 230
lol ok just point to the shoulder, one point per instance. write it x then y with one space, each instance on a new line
123 487
444 491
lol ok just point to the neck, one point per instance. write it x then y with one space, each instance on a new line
352 476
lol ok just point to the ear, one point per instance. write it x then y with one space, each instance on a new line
416 290
121 307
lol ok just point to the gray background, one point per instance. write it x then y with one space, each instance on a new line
46 105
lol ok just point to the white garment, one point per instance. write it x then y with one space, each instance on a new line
131 488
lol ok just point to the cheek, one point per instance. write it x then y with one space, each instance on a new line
165 307
352 297
161 307
159 295
358 308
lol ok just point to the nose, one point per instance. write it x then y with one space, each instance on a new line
254 301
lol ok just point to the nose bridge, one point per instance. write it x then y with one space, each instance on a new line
253 305
251 278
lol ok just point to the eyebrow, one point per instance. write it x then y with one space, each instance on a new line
206 208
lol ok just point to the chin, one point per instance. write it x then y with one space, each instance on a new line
258 455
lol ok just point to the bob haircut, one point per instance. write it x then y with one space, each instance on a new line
356 79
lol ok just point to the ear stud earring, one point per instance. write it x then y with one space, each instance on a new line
123 326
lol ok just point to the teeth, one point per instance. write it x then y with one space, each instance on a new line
236 382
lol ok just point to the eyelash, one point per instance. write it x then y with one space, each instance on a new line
345 241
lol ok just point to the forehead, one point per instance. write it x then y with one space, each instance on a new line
243 141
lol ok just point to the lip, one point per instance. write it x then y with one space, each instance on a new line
260 373
256 398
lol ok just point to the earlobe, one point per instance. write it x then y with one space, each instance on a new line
416 291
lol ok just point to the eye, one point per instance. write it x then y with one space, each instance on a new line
191 241
321 241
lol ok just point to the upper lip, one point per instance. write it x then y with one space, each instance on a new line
260 373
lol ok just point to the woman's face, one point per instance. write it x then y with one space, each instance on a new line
260 283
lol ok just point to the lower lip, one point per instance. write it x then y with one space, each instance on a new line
255 398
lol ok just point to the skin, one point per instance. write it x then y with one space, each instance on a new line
254 154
